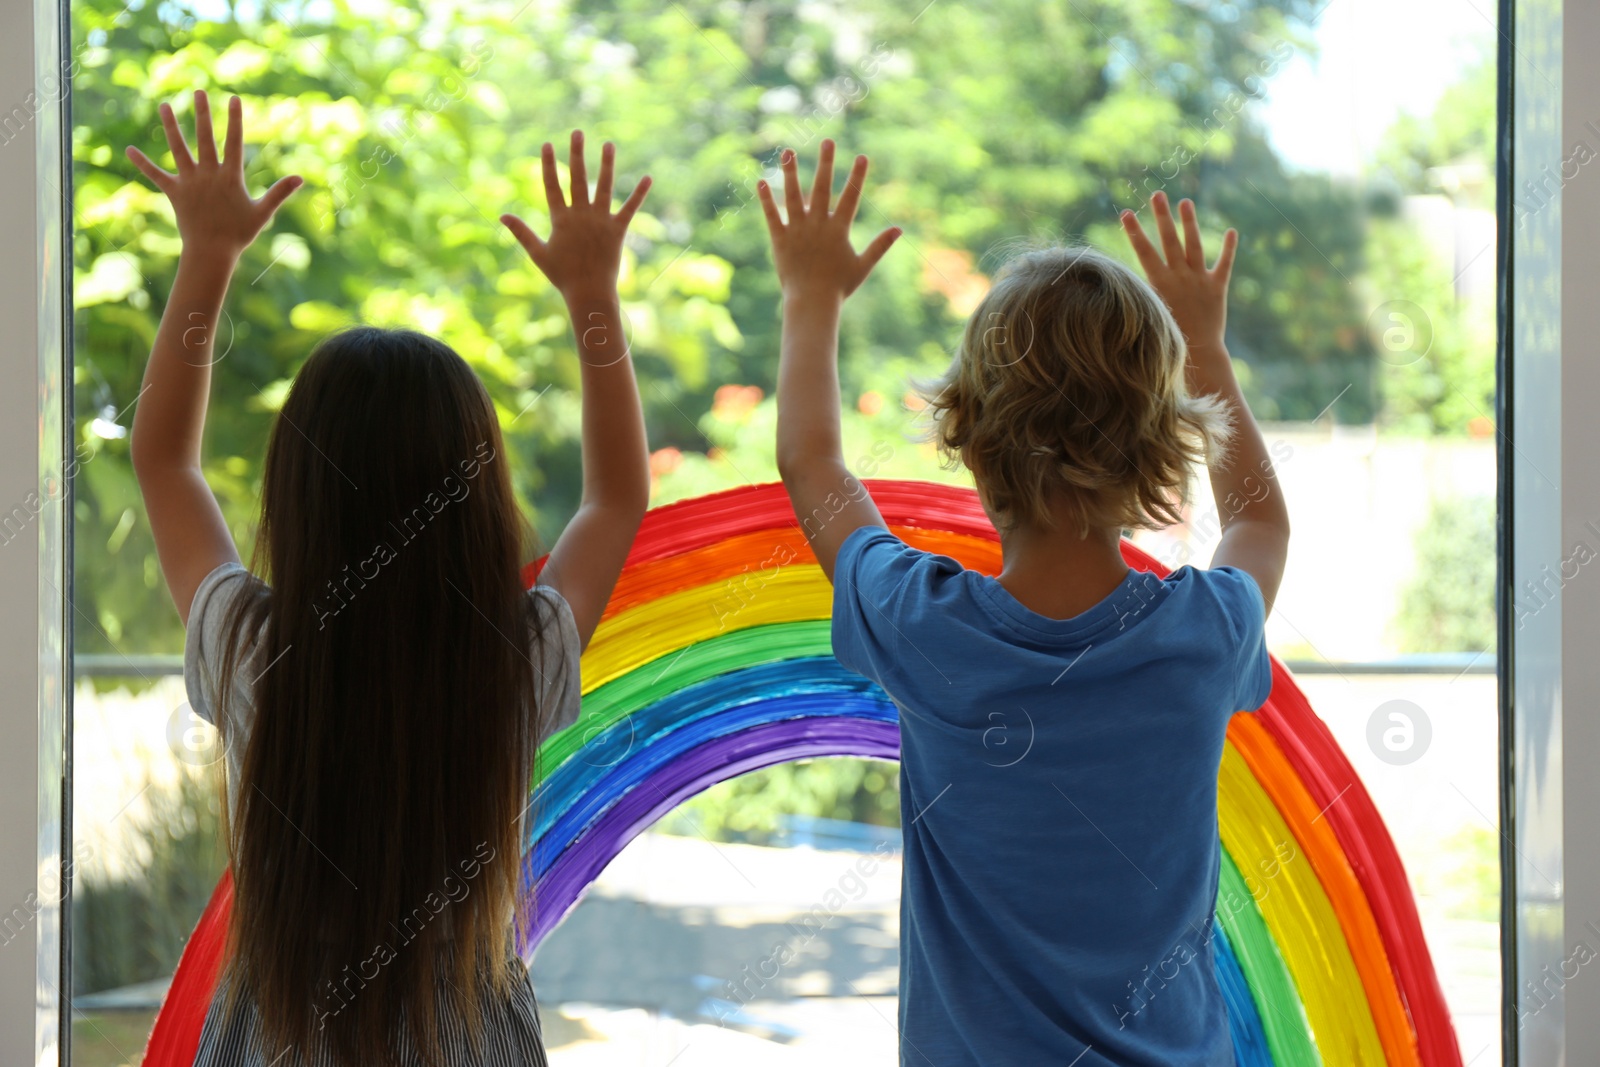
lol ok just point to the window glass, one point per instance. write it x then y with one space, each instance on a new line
1356 163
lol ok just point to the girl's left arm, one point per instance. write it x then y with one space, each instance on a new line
217 221
581 258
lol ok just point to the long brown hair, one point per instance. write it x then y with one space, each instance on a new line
375 843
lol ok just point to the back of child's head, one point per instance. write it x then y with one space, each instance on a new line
1067 397
392 692
378 424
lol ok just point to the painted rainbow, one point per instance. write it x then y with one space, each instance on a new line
714 660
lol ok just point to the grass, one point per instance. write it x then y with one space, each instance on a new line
110 1038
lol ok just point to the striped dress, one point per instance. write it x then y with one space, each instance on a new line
510 1038
511 1035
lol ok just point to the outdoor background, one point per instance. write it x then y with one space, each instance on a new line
1350 142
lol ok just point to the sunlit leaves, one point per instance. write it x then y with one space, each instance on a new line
415 126
111 279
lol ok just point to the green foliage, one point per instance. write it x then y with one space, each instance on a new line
1450 387
131 926
752 806
409 154
1450 154
1459 132
1448 606
739 429
1294 294
1466 875
414 129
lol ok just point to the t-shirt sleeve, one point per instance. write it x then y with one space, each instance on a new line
870 575
1246 613
556 650
204 642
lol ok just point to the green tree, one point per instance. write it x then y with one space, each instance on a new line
1440 378
1449 605
1460 132
414 129
1443 382
409 147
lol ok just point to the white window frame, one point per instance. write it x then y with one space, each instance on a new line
35 384
1550 507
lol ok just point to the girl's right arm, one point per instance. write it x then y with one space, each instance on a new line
1255 520
581 259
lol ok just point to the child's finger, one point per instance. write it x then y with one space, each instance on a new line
880 244
1230 244
1149 258
552 182
1169 233
525 236
281 190
180 151
577 174
602 184
233 149
636 198
769 208
161 178
822 181
1192 250
791 185
205 138
852 190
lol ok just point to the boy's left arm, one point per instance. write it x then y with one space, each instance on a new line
1249 499
217 221
818 269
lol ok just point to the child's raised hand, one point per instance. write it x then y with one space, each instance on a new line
812 250
584 251
1196 296
213 207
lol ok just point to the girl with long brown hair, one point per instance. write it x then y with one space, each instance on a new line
380 677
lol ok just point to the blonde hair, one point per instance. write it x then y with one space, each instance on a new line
1069 386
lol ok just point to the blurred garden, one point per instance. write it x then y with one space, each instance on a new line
987 125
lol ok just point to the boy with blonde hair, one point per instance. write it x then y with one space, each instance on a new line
1057 909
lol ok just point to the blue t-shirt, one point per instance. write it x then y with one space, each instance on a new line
1058 791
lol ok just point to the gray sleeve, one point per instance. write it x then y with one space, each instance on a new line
556 650
203 643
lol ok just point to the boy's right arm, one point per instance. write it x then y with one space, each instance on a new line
581 259
818 269
1250 504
